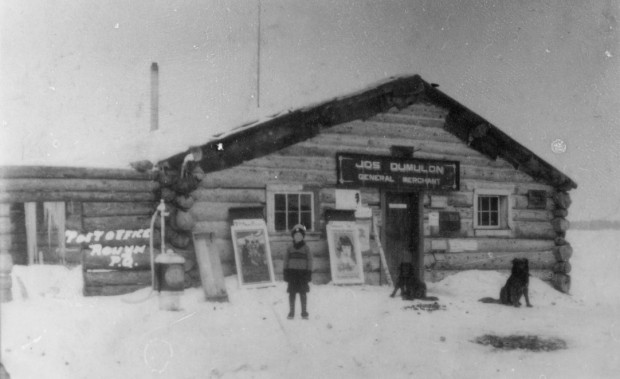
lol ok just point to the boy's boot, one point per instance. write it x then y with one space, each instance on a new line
291 304
304 313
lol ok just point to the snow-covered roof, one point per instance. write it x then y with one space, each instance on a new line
263 137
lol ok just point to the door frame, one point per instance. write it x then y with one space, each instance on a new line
418 260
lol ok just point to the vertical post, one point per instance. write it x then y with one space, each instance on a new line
30 210
258 43
6 261
154 96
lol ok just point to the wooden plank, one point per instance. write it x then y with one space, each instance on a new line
533 230
210 267
388 130
53 172
308 148
234 195
69 195
532 215
208 211
115 278
111 290
116 222
492 261
93 185
117 209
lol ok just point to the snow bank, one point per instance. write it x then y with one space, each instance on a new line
353 331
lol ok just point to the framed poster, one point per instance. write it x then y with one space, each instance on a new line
345 256
252 255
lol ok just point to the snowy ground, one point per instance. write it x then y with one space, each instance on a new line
353 332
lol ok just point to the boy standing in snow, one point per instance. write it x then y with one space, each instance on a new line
298 270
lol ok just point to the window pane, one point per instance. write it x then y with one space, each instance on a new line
280 221
494 219
306 220
280 202
494 203
483 203
293 219
485 219
293 202
306 201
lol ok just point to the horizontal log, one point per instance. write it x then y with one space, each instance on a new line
90 185
83 196
421 109
112 290
235 195
210 211
491 261
533 230
562 268
561 282
563 252
403 119
393 130
116 222
499 245
117 209
52 172
114 278
560 224
562 200
532 215
336 140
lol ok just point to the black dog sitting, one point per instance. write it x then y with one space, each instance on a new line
516 285
410 287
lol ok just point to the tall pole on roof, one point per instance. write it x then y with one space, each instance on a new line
258 58
154 96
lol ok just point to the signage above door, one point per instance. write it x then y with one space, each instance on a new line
361 170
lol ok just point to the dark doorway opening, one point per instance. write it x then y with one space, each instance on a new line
402 231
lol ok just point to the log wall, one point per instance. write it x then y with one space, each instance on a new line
105 200
421 126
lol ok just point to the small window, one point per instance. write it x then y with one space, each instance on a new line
492 210
290 209
488 211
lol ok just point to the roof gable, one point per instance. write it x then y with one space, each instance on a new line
259 139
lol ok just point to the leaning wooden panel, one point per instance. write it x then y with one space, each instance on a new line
210 267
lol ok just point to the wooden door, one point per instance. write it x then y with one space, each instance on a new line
402 230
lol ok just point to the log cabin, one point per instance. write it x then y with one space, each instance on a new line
445 189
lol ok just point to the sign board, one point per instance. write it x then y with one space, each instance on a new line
122 249
348 199
360 170
433 219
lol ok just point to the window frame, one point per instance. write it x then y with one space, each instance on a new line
287 190
505 205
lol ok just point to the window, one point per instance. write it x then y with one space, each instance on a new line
493 213
488 211
291 209
289 205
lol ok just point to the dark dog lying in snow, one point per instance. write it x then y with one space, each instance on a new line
410 287
516 285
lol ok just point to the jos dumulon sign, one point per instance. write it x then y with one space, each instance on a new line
360 170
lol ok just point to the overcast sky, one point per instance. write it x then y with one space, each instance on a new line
75 74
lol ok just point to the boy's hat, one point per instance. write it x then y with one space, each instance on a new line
299 228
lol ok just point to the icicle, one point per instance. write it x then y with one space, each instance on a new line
54 215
